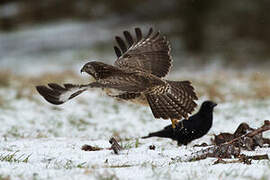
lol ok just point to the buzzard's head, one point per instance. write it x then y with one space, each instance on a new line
90 68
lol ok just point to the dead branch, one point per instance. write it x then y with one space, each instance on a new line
222 151
242 159
258 157
201 145
115 146
265 127
266 141
90 148
244 137
239 160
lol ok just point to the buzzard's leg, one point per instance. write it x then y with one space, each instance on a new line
174 123
180 125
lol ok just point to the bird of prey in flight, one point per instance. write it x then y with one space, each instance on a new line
137 75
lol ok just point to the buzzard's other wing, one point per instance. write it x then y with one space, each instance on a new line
57 94
150 54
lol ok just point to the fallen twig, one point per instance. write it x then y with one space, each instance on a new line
258 157
265 127
229 145
245 137
115 146
239 160
266 141
222 151
242 159
201 145
90 148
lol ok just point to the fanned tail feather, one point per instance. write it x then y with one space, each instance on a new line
175 104
57 94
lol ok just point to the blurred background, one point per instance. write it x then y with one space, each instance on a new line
222 46
214 36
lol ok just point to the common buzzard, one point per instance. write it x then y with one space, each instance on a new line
137 75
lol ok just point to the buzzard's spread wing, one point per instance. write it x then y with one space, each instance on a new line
150 54
176 103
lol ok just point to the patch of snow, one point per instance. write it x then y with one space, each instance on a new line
52 137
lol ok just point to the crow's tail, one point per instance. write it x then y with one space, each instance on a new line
165 133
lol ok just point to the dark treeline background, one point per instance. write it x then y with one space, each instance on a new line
236 30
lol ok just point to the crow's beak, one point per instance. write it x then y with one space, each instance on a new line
214 104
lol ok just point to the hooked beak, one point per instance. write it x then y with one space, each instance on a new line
83 69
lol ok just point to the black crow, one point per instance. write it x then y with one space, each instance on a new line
189 129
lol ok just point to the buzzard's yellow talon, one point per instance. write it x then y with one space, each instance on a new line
174 123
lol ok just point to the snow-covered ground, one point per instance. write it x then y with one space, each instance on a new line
42 141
